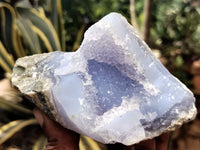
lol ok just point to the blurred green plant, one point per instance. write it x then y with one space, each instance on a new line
176 24
26 28
79 15
29 28
175 32
15 116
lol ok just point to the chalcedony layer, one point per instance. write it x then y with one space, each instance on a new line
111 89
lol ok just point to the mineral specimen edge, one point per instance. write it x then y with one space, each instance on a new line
111 89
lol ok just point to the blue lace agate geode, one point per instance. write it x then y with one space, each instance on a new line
111 89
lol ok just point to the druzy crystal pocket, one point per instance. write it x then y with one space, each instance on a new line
111 89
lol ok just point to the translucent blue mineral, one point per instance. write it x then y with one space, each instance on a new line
111 89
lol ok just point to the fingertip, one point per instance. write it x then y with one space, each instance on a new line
162 141
58 137
146 145
39 116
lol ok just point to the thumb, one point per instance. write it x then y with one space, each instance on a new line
58 137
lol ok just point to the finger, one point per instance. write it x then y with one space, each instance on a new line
162 141
58 137
146 145
39 116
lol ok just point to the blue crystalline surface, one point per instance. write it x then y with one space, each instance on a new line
111 85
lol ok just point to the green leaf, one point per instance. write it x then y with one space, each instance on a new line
79 37
54 13
24 4
87 143
6 60
8 30
40 21
40 143
29 36
58 21
43 38
8 130
13 107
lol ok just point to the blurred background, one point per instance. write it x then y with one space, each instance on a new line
170 27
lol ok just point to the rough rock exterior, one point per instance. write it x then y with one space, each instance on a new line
111 89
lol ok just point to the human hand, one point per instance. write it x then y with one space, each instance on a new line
158 143
58 137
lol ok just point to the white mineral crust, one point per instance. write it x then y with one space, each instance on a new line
111 89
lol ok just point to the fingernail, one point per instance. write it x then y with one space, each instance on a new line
39 116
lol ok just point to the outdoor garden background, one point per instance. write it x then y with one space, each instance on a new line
170 27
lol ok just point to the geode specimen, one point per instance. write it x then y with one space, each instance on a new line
111 89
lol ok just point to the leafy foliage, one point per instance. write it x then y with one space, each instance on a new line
16 115
176 24
26 29
79 15
175 32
